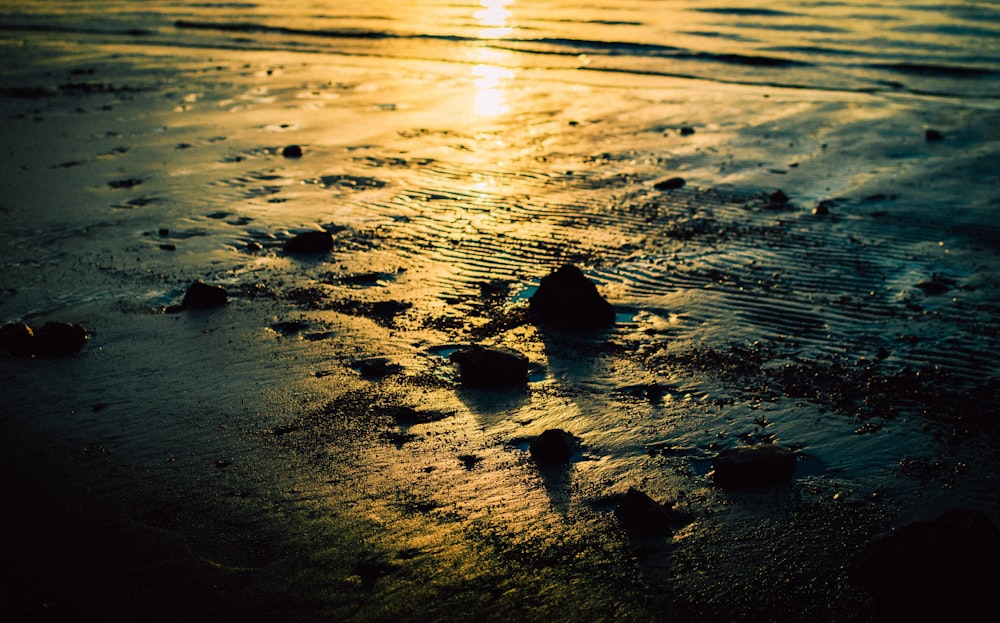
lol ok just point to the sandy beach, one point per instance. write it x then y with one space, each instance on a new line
823 276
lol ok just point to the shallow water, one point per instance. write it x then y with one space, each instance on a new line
855 322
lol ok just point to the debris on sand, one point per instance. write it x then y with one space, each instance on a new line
292 151
552 447
310 243
54 339
479 366
753 466
567 300
203 296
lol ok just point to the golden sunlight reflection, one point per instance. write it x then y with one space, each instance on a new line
490 76
489 81
493 17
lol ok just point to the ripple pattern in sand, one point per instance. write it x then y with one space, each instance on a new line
820 284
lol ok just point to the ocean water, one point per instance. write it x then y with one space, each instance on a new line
941 47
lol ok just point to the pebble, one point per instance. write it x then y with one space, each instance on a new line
292 151
203 296
310 243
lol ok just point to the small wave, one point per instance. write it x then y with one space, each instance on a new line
747 12
77 30
944 71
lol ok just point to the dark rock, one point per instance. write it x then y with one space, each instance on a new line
823 207
292 151
554 446
754 466
567 300
642 516
686 131
778 200
17 338
479 366
671 184
933 135
203 296
56 339
310 243
950 565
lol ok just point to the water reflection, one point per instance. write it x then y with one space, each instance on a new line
490 76
490 81
493 17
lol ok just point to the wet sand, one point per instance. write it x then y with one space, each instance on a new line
244 463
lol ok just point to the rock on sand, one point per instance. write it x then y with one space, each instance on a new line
310 243
641 516
554 446
479 366
567 300
203 296
54 339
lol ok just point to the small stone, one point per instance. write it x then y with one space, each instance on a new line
642 516
778 199
670 184
292 151
932 136
203 296
479 366
17 338
567 300
754 466
553 446
686 131
56 339
310 243
823 208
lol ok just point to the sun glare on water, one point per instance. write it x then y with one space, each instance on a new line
494 18
490 77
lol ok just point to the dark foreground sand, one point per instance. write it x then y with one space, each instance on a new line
252 462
